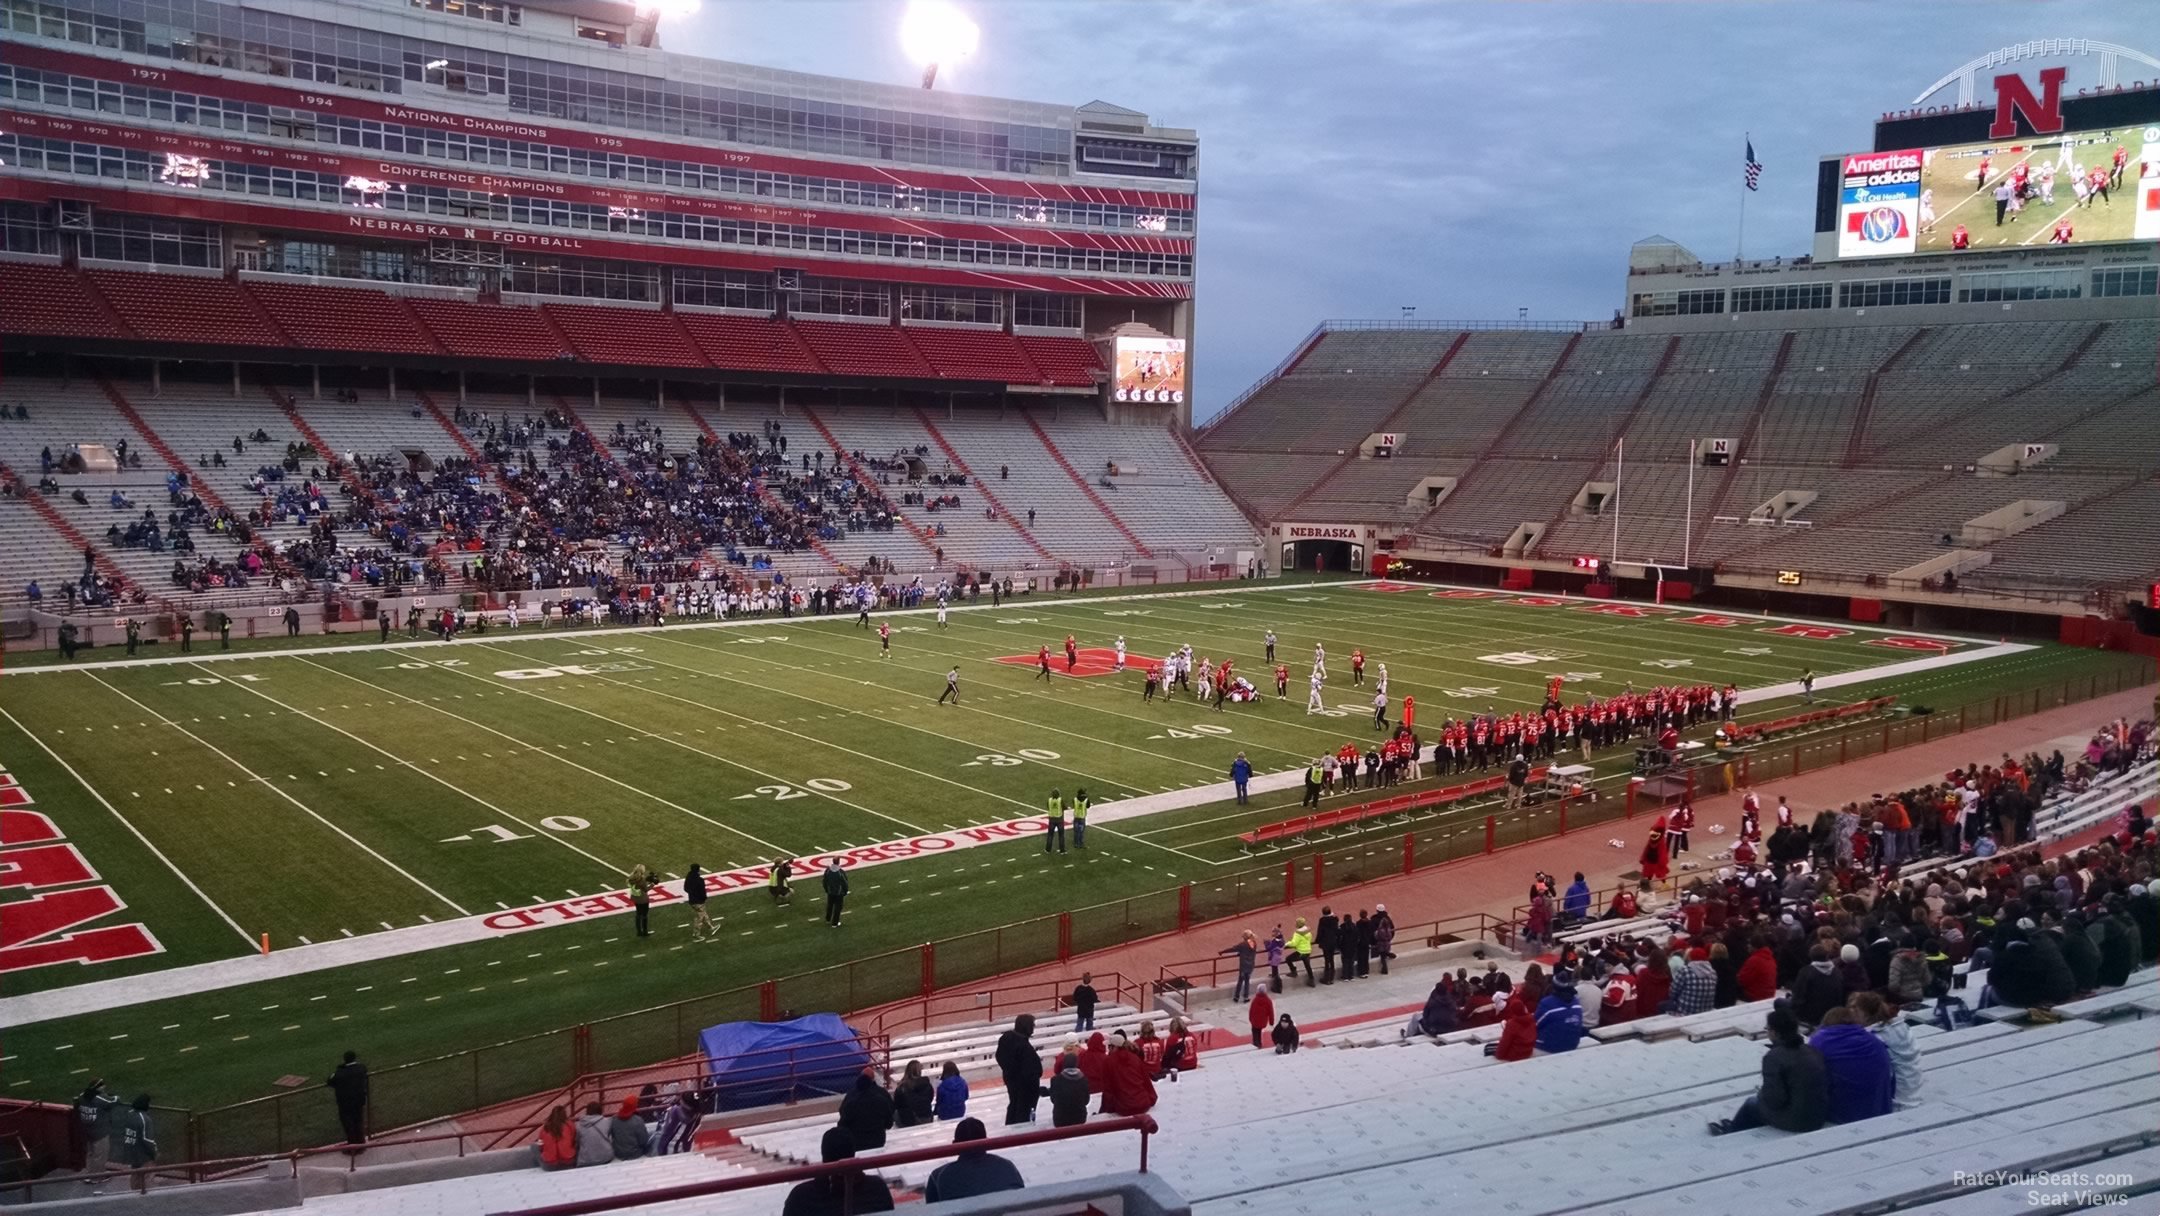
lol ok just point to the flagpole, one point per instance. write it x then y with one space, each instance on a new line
1740 241
1687 537
1619 466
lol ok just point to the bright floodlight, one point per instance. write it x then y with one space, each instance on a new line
934 32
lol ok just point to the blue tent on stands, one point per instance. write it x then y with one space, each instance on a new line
759 1063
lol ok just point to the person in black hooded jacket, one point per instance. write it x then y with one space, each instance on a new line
2080 951
2144 911
1021 1067
866 1113
1818 989
2118 944
2054 980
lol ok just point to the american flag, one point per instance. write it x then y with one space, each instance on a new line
1754 168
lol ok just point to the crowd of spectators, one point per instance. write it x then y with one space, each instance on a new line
1845 947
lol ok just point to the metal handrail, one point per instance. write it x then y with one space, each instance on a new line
218 1169
855 1166
1048 994
1212 968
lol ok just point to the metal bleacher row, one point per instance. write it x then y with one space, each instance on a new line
1615 1127
1884 424
259 312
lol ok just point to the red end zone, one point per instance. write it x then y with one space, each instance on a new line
1091 661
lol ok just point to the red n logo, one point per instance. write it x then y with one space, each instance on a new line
2012 98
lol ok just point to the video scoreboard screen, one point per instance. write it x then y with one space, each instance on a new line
2080 187
1149 369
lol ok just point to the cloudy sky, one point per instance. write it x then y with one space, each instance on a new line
1467 158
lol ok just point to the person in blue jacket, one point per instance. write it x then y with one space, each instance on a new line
1862 1082
1559 1016
1575 905
1240 774
952 1092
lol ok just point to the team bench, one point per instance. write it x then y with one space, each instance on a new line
1381 807
1758 730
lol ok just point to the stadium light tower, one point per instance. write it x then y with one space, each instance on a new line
934 33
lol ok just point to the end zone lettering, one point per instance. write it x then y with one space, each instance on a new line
48 927
540 916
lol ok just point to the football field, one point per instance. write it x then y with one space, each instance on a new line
388 810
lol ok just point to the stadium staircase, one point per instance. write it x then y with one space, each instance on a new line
1744 443
1387 422
1856 444
577 423
1502 438
328 451
1005 514
73 535
1086 491
466 446
764 492
173 460
867 479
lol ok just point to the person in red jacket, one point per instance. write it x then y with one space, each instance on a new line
1260 1013
1653 981
1518 1029
558 1141
1093 1059
1127 1089
1758 975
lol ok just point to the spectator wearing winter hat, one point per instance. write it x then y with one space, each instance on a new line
1862 1083
974 1172
1795 1091
1852 970
1559 1017
1818 988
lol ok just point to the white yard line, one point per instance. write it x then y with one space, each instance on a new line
272 786
671 805
609 866
226 973
132 829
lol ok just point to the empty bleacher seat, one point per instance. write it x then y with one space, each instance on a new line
864 349
748 343
1065 362
52 302
633 337
490 331
195 309
974 354
342 318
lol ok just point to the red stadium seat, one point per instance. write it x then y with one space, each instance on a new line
1065 362
50 301
975 354
490 331
633 337
187 308
749 343
850 349
342 318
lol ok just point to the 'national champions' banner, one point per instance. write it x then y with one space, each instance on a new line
1879 204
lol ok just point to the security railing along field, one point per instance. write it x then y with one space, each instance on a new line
519 1068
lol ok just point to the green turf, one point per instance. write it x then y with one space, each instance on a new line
317 799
